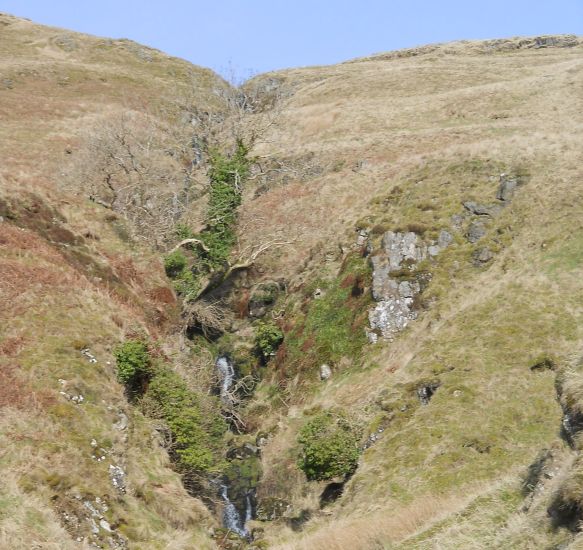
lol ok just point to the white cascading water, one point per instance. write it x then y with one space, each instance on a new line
227 374
232 518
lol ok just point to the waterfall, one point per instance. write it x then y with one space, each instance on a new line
238 512
227 374
232 518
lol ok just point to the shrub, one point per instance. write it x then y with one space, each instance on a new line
329 447
196 434
175 263
268 337
132 362
182 231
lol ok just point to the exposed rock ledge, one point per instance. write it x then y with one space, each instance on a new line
392 288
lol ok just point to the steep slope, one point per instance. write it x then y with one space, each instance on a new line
78 463
442 181
401 142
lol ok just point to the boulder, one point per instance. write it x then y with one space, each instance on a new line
475 231
490 210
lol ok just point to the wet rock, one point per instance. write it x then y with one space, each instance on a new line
325 372
475 231
537 472
482 256
507 187
271 508
263 298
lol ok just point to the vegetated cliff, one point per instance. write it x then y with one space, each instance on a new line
397 285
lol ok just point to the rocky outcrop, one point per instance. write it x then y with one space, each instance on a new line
395 284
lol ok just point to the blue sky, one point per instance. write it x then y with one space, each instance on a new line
259 35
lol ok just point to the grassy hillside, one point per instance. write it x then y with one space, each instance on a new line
72 281
393 142
405 139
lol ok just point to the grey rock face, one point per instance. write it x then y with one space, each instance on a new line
399 253
476 231
403 247
507 187
391 316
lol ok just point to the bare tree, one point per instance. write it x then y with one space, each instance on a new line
136 165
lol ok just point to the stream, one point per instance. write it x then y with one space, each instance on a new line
237 489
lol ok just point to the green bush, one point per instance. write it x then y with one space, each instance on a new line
182 231
196 434
227 175
132 362
330 447
268 338
175 263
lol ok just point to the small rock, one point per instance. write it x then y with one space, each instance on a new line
507 187
117 476
362 237
90 357
445 239
325 372
317 293
372 337
482 256
105 525
457 393
122 422
476 231
433 250
457 220
477 209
